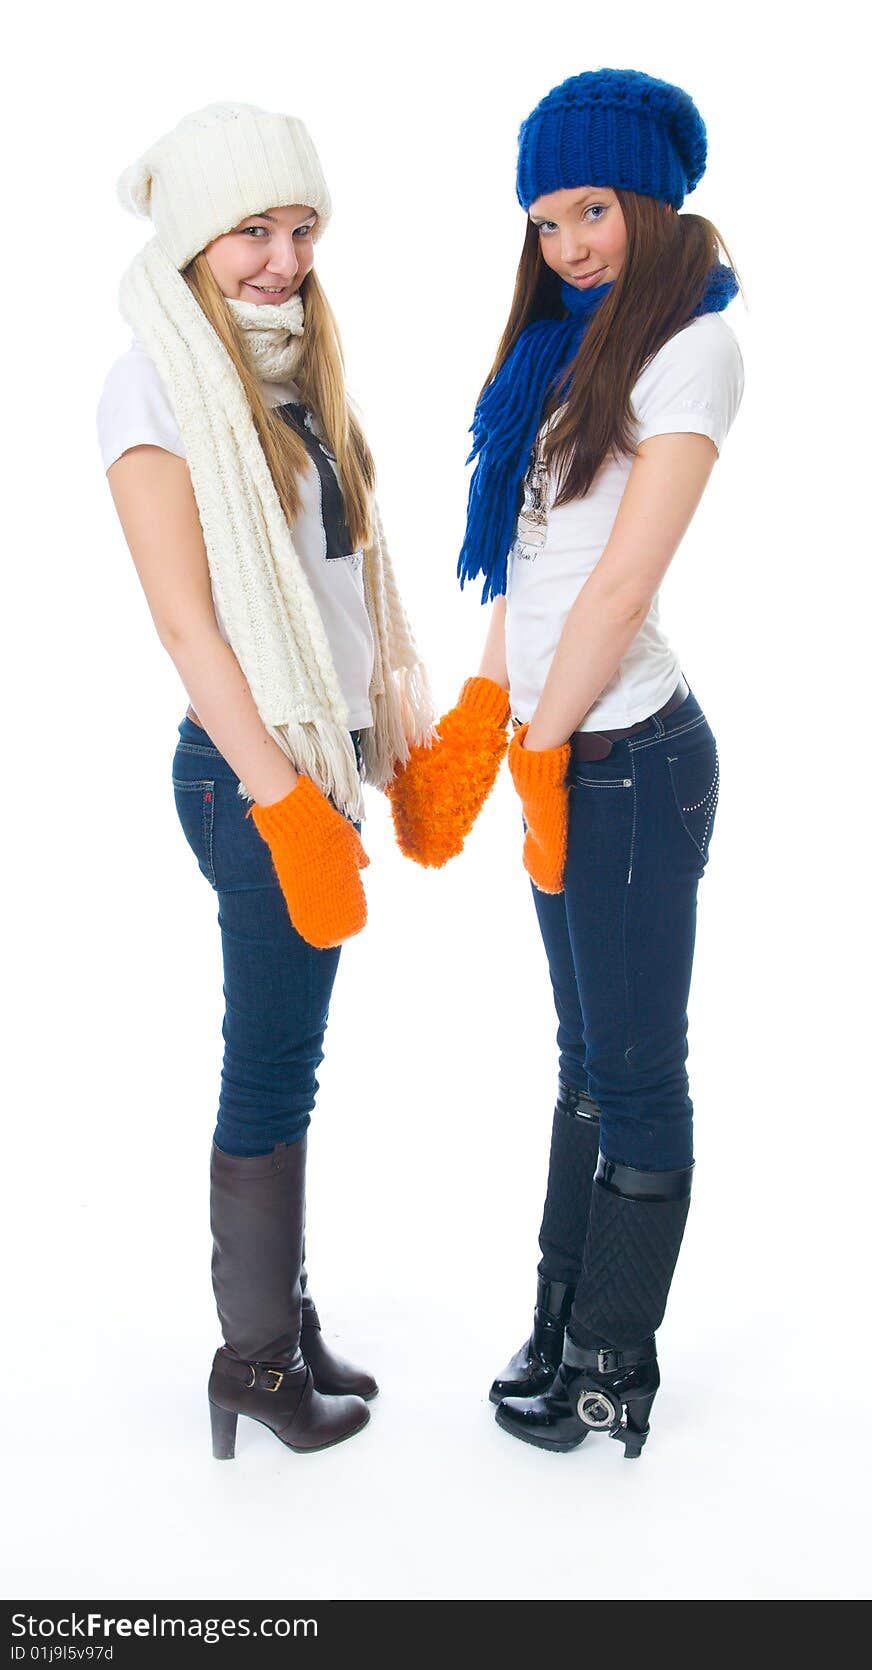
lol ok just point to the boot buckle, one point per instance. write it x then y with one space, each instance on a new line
609 1361
598 1410
278 1376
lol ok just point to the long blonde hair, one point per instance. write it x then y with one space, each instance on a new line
320 377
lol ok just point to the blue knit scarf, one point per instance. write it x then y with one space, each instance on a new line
508 416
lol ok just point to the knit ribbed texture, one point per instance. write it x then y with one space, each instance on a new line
317 855
266 602
273 336
437 796
487 699
540 779
217 166
618 128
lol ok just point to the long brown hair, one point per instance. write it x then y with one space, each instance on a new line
320 377
663 278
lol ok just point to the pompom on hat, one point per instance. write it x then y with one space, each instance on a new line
618 128
217 166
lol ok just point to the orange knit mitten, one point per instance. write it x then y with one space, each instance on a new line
540 779
317 856
437 795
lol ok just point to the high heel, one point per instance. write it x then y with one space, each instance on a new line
636 1428
594 1391
223 1431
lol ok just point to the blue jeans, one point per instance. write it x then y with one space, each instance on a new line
620 938
277 988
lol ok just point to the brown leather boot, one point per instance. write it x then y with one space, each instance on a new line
331 1373
258 1206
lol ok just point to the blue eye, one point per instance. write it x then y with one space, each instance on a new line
247 229
304 231
546 227
600 206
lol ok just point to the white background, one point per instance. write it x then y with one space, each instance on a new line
428 1148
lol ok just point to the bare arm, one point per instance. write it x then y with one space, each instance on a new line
665 486
154 498
493 660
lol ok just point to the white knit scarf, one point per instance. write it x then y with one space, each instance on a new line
273 336
268 607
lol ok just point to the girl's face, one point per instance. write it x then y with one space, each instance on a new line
266 257
582 234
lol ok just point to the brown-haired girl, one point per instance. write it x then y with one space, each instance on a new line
614 387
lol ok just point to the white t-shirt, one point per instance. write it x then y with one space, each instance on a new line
693 384
135 410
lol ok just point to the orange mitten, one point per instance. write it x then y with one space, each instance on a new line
317 856
540 779
437 795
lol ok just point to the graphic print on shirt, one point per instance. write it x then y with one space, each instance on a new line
532 528
337 539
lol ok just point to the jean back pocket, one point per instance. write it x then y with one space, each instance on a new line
696 777
195 805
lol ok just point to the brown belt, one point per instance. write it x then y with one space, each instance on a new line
597 745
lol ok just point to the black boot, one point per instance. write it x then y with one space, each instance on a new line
608 1378
534 1366
257 1228
331 1373
571 1166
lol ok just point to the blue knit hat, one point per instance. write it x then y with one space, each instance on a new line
617 128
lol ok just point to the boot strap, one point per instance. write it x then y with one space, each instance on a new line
576 1104
609 1359
554 1300
260 1375
645 1186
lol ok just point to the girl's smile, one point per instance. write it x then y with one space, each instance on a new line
588 278
270 290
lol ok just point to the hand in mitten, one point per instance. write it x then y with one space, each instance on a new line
318 856
540 779
437 795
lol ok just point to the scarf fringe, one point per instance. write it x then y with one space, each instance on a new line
403 714
326 755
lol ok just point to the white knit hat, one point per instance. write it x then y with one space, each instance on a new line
219 165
